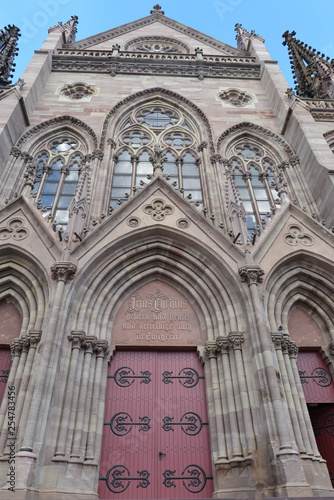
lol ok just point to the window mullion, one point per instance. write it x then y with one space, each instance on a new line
264 178
46 171
134 161
64 172
247 177
179 163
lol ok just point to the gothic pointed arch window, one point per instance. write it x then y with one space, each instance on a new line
58 165
253 167
152 134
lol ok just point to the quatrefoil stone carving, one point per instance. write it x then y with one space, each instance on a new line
296 236
158 210
14 229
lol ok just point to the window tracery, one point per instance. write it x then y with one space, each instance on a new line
254 168
57 170
151 128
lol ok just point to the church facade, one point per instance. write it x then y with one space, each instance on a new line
166 257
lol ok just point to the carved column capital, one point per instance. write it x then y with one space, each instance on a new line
76 337
293 349
236 340
223 345
15 348
63 271
277 339
294 160
89 344
202 146
16 152
211 349
251 274
331 348
101 348
34 337
216 158
97 153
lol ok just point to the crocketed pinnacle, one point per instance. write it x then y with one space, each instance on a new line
313 71
8 50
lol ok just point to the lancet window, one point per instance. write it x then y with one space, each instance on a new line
58 165
254 170
154 135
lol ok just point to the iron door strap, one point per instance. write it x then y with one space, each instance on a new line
188 377
193 478
118 478
125 376
121 424
319 375
191 423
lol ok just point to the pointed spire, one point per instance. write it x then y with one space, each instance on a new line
313 72
8 50
243 37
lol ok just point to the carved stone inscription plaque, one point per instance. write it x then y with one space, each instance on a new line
156 315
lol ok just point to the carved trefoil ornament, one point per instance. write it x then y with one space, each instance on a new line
296 236
14 229
78 91
236 97
158 210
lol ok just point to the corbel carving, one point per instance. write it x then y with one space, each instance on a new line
251 274
63 271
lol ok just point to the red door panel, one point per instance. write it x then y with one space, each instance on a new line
322 419
156 436
5 364
317 381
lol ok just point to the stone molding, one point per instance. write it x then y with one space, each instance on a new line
198 68
58 121
251 274
257 130
63 271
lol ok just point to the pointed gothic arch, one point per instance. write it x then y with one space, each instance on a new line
302 277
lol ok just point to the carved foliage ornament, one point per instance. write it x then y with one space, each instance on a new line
236 97
251 274
14 229
76 91
158 210
296 236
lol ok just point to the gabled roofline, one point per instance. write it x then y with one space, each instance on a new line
182 28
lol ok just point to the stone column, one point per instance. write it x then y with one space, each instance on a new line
211 352
62 272
16 350
252 274
305 420
223 345
77 338
281 346
236 340
101 350
89 345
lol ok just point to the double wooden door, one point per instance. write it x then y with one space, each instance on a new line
156 436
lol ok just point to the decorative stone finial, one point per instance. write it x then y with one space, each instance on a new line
157 10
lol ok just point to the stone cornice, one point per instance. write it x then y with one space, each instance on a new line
160 64
145 21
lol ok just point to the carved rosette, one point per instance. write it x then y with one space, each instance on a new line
223 345
251 274
211 350
63 271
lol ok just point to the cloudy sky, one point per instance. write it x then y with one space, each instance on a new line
269 18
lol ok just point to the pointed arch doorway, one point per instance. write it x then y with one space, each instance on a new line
156 436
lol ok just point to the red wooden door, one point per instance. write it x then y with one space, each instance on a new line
322 419
315 377
5 364
156 436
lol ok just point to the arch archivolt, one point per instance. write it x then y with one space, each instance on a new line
301 279
118 273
